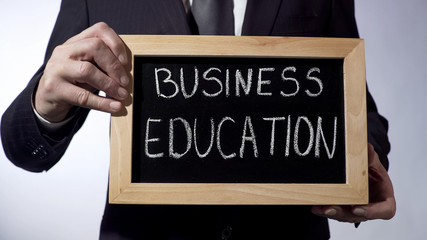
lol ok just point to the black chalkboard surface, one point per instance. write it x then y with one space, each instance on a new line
211 120
241 120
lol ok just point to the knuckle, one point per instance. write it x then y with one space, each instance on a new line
58 50
115 66
116 46
51 78
101 26
95 43
109 86
85 69
100 104
101 29
59 55
82 97
49 86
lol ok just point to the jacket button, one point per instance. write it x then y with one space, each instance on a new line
39 153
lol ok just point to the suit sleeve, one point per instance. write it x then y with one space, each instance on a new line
343 24
23 141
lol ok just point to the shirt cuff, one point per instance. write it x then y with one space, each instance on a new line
47 126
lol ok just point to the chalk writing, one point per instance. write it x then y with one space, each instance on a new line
236 119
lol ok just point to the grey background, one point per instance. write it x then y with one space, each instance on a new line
67 201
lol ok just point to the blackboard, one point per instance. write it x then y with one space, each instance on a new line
241 120
183 104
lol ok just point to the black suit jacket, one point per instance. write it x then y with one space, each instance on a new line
28 147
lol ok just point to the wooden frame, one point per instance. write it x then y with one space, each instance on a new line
354 191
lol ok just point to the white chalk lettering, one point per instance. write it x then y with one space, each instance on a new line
288 136
240 81
217 82
319 133
263 82
250 138
167 80
305 138
195 85
218 138
149 140
210 142
187 127
316 79
292 69
273 131
296 136
205 76
227 83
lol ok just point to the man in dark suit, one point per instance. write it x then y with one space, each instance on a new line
85 54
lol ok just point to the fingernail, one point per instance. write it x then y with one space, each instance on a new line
122 59
360 212
124 81
122 93
331 212
115 106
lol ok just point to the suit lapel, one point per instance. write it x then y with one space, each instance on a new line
260 17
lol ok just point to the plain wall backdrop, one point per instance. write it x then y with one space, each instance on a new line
67 202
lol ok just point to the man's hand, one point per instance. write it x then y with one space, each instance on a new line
382 204
92 60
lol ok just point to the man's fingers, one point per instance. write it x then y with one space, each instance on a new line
77 96
84 72
107 35
318 210
382 204
339 213
95 50
93 59
90 61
